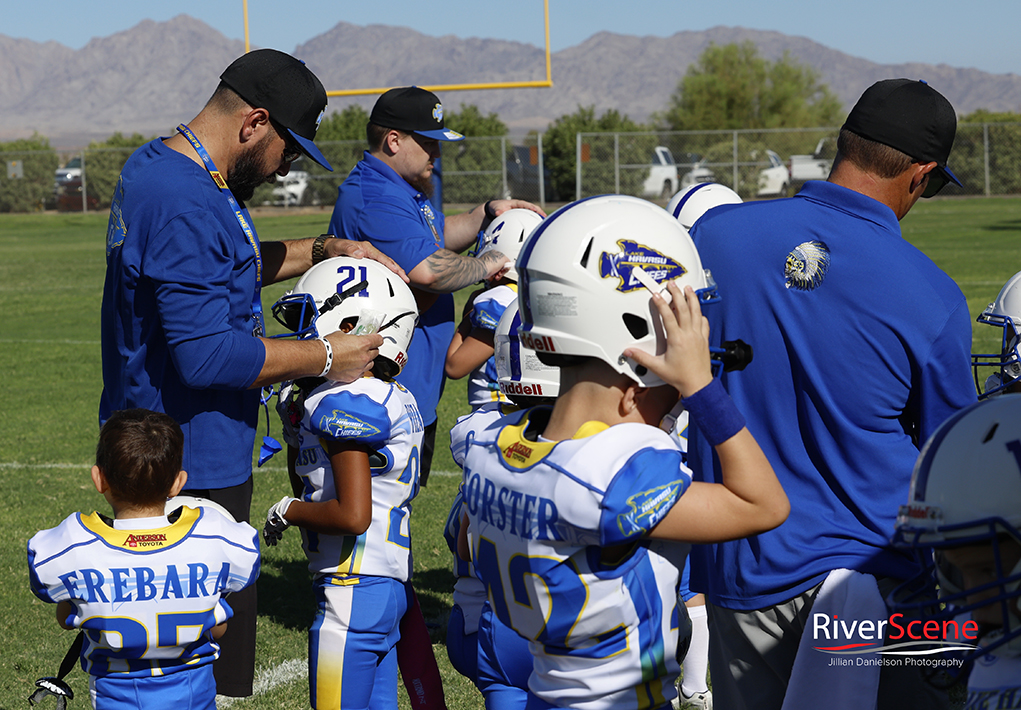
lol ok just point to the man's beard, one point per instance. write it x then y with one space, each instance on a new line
423 184
247 173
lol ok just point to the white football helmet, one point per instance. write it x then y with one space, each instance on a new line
966 490
692 202
343 288
176 502
585 275
1003 313
518 370
507 233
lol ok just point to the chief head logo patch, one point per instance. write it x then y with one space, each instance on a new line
438 113
806 266
633 255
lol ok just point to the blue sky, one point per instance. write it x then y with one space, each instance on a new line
981 34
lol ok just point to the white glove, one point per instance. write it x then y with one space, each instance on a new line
276 523
289 408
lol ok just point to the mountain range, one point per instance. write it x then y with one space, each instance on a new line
151 77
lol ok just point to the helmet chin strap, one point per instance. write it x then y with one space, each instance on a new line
336 299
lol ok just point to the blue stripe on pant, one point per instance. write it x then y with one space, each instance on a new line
351 645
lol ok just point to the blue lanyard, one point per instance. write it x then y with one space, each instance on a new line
258 328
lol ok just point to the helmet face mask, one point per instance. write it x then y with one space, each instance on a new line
965 508
578 291
507 233
1003 313
359 295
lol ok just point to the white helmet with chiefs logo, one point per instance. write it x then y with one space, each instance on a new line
586 274
360 291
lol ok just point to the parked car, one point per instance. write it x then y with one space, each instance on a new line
71 171
698 173
523 175
69 197
812 167
776 179
289 191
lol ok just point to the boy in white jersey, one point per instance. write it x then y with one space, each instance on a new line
148 591
471 350
964 510
356 467
562 503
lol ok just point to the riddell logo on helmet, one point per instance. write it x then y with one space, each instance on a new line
541 343
151 540
518 388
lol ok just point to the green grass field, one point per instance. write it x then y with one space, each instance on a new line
51 282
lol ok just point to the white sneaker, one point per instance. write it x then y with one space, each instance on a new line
698 701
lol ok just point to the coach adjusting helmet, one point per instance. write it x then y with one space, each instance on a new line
358 292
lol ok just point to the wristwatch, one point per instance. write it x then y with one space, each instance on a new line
317 248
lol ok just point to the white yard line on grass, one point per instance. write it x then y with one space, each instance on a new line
269 679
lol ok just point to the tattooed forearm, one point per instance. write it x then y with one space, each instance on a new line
451 271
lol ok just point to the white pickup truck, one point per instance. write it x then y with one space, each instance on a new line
812 167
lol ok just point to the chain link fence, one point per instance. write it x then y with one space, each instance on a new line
770 162
655 165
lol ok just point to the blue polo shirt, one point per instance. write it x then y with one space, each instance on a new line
377 205
861 350
177 316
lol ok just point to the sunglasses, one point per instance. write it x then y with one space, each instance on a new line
292 151
937 181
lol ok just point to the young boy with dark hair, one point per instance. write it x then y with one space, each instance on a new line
148 590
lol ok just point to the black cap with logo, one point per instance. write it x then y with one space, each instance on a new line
413 110
284 86
912 117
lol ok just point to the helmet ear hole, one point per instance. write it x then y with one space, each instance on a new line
636 325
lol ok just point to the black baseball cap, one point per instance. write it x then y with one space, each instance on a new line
413 110
912 117
284 86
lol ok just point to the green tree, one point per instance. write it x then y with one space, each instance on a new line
560 146
471 168
347 124
968 159
732 87
104 161
37 162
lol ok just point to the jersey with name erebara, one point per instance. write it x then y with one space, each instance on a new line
603 634
146 599
384 417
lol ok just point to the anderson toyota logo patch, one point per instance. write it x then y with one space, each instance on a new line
145 540
633 255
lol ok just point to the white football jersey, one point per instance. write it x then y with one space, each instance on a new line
383 416
487 308
603 633
146 591
469 592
